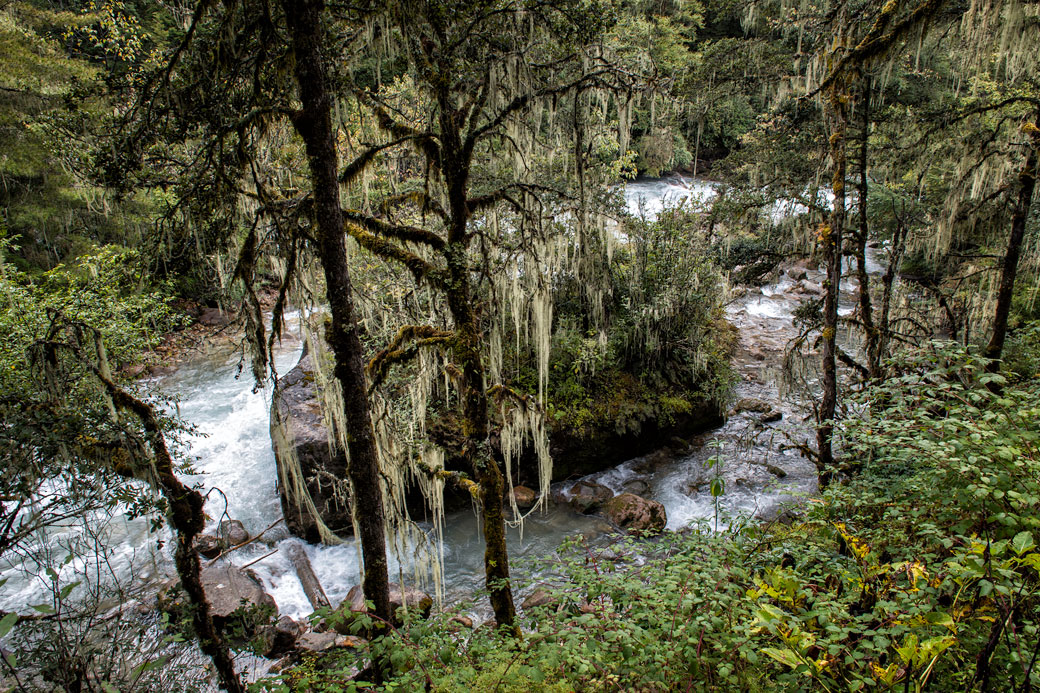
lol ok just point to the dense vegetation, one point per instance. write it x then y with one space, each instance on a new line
490 290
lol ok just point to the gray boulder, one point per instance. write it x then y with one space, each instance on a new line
229 587
341 619
587 496
298 430
233 532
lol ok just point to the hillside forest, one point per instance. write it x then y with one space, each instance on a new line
512 345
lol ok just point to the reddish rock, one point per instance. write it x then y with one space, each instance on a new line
525 497
635 514
464 621
540 597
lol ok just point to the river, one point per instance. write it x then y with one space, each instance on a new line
232 451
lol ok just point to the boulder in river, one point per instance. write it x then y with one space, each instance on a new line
525 497
229 588
233 532
208 545
280 637
537 599
635 514
305 461
771 416
587 496
340 620
313 643
751 404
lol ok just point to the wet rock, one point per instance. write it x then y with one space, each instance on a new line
341 619
212 317
639 487
775 471
208 545
313 643
678 444
751 404
280 637
296 410
229 587
233 532
539 598
771 416
464 621
135 370
806 287
587 496
525 497
635 514
797 274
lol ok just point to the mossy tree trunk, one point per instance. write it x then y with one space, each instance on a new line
314 124
871 331
1009 268
479 453
831 234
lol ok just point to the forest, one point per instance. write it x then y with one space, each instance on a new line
514 345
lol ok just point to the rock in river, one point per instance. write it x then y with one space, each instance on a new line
588 496
299 435
635 514
228 587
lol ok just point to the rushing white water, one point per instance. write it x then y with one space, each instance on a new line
235 462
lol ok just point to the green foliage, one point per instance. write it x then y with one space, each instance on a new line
919 572
59 439
668 303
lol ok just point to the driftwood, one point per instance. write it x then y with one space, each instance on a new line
311 586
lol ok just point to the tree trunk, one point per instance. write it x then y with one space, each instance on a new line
870 330
831 240
479 453
314 123
1027 177
188 520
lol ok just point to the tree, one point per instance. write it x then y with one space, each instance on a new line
491 80
220 147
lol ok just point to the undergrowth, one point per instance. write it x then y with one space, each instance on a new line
918 572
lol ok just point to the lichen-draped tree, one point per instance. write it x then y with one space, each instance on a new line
843 63
1019 217
314 124
136 448
206 119
491 78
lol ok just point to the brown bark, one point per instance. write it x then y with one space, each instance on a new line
870 330
478 451
831 240
314 124
188 520
1009 269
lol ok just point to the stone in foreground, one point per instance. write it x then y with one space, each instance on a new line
635 514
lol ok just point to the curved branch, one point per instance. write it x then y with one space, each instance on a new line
403 348
420 268
400 232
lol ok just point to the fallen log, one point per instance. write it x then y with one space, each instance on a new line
311 586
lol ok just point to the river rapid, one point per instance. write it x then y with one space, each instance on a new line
232 453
